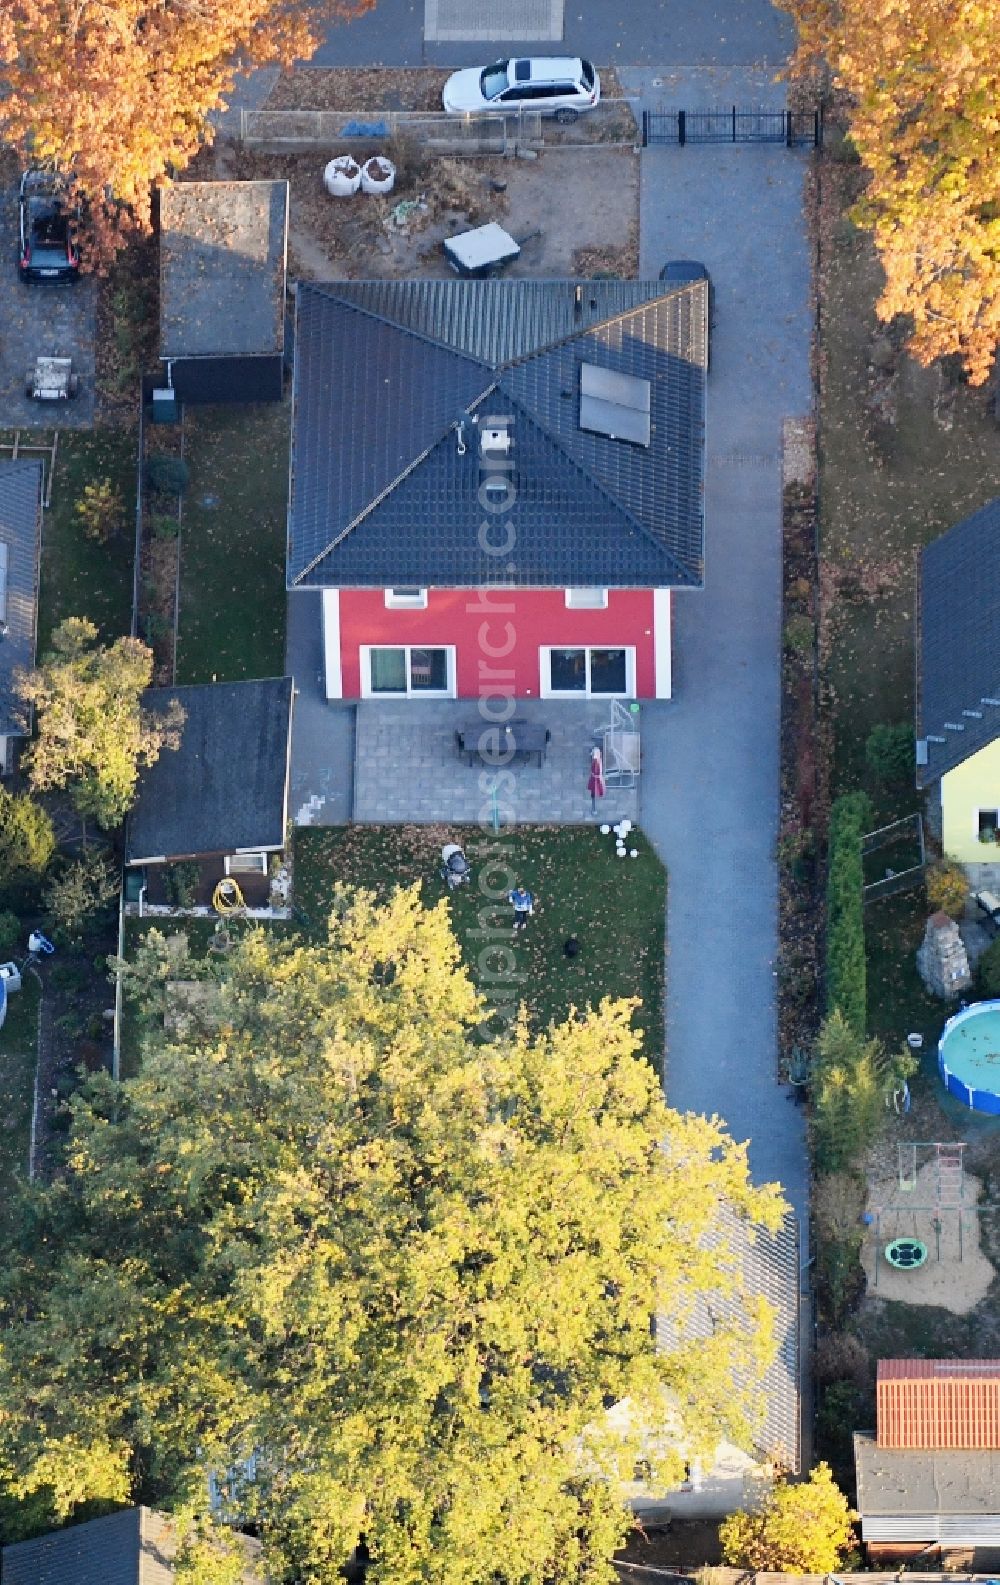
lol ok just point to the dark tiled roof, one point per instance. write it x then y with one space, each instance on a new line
20 528
938 1403
222 268
385 371
959 643
133 1547
225 787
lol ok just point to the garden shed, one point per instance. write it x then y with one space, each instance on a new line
220 797
223 257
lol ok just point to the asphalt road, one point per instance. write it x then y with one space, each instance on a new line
651 33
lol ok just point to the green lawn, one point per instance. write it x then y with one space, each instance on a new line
898 1004
18 1054
80 577
232 607
615 907
883 495
886 490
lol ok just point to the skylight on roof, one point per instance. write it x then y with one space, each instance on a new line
613 404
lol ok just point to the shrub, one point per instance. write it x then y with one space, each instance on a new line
166 475
100 510
890 754
843 1357
800 1528
988 971
11 932
155 626
846 972
164 525
850 1081
77 895
799 635
947 888
27 840
181 882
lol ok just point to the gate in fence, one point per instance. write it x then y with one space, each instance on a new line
795 129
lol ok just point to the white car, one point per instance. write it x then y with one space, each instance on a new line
556 85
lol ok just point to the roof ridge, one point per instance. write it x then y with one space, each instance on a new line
598 484
411 467
393 324
597 324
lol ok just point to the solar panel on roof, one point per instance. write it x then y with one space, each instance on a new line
627 390
613 404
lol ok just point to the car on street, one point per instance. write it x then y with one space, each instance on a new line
558 85
46 212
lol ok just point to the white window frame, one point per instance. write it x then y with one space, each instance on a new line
367 691
246 863
546 690
583 599
403 600
987 809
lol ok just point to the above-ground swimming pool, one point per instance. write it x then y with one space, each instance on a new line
969 1056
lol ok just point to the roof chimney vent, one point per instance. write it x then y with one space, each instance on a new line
496 437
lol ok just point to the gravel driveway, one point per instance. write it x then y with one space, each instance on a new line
58 320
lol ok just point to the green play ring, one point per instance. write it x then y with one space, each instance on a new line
906 1254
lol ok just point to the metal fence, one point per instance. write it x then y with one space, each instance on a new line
905 837
612 123
309 129
733 124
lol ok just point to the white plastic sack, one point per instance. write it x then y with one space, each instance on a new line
342 176
378 175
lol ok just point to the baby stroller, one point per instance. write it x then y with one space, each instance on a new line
455 868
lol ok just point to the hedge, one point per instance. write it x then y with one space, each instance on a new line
846 975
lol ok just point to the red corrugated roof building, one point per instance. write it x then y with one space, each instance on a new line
938 1403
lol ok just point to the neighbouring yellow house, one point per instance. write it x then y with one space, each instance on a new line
958 691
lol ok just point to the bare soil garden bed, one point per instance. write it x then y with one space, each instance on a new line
576 211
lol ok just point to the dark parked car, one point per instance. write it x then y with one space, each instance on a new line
46 211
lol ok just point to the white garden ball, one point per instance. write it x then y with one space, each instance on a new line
634 854
621 852
605 830
626 827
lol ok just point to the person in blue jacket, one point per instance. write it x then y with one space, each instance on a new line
523 905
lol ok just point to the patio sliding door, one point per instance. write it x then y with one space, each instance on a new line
403 671
587 672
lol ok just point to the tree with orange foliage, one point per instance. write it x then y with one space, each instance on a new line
120 91
924 82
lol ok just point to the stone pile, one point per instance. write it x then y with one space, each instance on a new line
942 961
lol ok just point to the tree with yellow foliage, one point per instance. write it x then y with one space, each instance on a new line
923 77
408 1272
801 1527
120 91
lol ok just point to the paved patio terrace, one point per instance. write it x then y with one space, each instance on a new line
407 769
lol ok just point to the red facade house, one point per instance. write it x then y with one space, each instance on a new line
497 485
